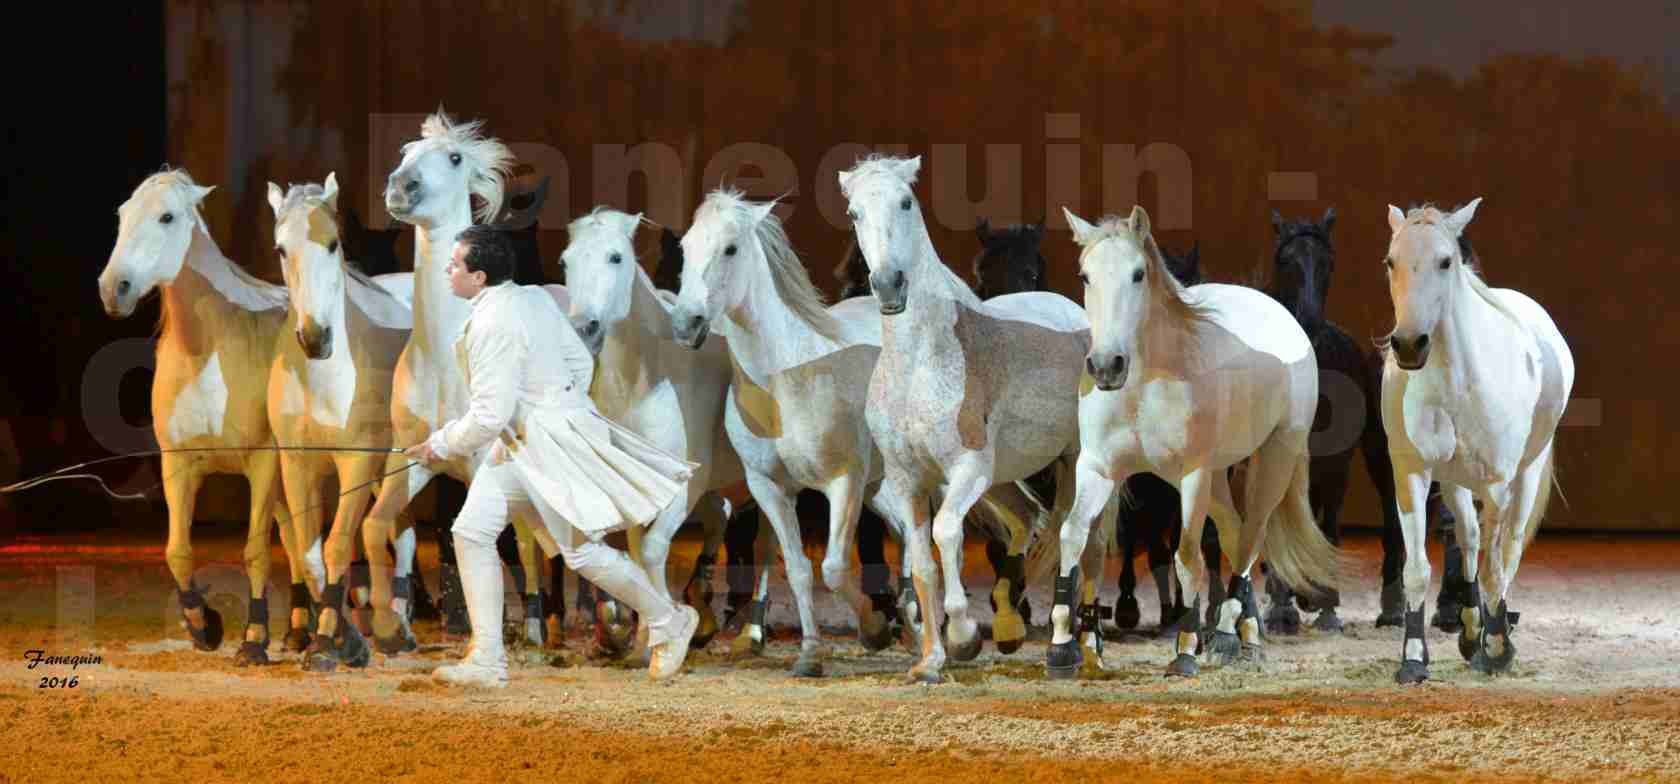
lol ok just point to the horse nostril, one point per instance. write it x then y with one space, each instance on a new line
411 187
122 288
1090 365
696 321
592 327
898 279
1423 342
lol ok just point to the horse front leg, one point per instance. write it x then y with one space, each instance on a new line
909 513
1469 616
262 471
1411 483
966 481
1195 491
391 631
1093 489
297 632
182 479
337 640
845 504
777 503
712 512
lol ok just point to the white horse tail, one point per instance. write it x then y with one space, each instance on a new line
1543 498
1295 548
1010 513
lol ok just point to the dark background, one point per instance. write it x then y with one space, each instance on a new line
1562 118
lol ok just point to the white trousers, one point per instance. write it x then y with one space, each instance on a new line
496 492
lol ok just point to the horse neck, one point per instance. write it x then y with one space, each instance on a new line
1166 343
1464 336
438 313
186 322
936 297
764 328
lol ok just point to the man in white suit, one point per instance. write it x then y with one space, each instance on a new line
531 423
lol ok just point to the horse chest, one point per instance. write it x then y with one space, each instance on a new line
190 402
1152 427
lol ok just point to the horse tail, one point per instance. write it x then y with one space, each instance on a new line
1010 513
1543 498
1045 554
1295 548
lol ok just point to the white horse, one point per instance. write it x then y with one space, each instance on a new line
644 381
215 340
795 410
330 385
1475 380
433 188
966 395
1185 383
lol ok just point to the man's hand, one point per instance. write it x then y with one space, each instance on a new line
422 452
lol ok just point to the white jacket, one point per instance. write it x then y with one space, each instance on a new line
528 377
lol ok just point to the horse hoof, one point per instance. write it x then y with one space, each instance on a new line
925 677
1127 614
966 651
707 629
1494 665
1182 666
807 667
320 657
1062 661
1386 618
1411 671
208 638
296 640
1327 621
1447 617
749 642
1467 643
1283 619
355 651
395 644
1225 648
874 632
1009 630
252 654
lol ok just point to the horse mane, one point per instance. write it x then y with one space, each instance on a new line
489 161
872 164
1428 215
1177 305
787 272
374 300
852 285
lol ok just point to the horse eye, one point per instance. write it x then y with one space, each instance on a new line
1084 280
168 217
280 250
1137 277
1388 264
729 251
904 204
1446 262
332 247
852 214
615 258
455 159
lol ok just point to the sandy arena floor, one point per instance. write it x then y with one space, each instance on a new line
1595 694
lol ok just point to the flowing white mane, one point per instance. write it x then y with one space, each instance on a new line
873 165
787 272
489 162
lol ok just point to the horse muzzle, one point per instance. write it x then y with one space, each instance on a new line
690 331
593 335
1410 353
1109 373
402 196
315 341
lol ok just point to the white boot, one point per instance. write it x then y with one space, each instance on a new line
667 657
485 664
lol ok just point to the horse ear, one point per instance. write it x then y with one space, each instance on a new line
1082 231
628 223
983 230
845 178
1458 220
275 198
1396 219
1036 230
1329 220
201 191
908 168
761 211
1193 259
1277 222
329 191
1139 221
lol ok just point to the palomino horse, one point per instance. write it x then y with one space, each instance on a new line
670 395
1010 260
1474 384
330 385
433 189
215 341
966 395
795 409
1185 383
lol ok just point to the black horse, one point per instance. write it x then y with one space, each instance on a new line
1350 390
1010 260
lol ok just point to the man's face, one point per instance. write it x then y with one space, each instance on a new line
465 284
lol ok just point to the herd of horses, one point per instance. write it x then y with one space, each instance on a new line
920 407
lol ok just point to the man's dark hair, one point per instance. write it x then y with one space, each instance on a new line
490 251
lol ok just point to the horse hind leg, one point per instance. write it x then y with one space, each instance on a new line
712 511
778 505
1518 522
302 602
966 482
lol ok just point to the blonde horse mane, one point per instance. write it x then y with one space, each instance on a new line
489 161
787 272
1178 307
